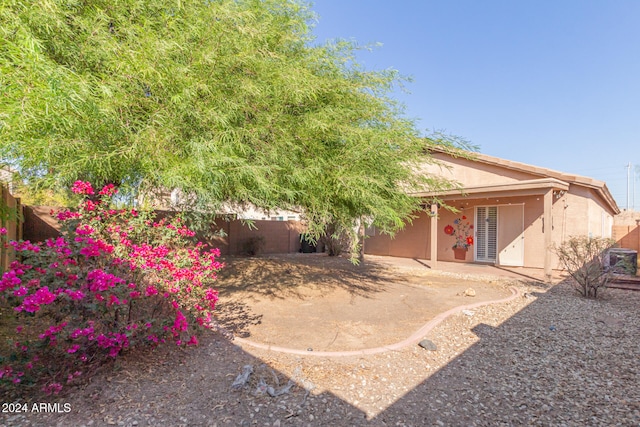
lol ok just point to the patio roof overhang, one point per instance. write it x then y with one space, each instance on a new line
518 188
543 186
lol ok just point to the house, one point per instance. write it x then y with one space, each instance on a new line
7 177
509 214
177 200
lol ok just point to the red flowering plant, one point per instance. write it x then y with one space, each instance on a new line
115 279
462 230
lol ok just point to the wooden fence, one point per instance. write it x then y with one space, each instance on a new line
274 236
627 236
11 220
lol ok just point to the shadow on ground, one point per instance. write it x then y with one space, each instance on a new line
280 277
328 304
246 280
562 360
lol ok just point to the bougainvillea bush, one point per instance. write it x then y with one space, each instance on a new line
114 280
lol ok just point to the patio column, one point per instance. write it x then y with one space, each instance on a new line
548 231
434 236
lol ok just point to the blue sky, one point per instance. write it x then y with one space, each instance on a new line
551 83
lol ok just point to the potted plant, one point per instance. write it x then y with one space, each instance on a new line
462 230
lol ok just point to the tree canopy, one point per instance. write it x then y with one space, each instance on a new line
228 100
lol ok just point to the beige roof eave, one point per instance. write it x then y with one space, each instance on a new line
598 186
608 198
517 188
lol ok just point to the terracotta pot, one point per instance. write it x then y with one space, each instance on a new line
460 253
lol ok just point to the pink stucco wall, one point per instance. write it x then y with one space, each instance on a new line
579 210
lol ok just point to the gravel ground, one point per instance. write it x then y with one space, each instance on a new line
546 358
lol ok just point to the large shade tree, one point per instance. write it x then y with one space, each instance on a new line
227 100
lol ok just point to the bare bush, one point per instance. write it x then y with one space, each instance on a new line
252 246
336 239
584 258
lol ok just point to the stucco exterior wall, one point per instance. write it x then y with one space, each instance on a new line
534 243
576 206
411 242
470 173
414 241
572 214
532 227
585 214
626 218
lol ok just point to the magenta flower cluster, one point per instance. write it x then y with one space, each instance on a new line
114 280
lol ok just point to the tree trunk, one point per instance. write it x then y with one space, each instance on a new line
360 242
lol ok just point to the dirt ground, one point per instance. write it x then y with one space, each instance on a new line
528 361
318 303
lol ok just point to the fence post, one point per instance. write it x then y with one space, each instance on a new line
19 218
11 219
4 259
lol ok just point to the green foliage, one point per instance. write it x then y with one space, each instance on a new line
227 100
114 280
584 259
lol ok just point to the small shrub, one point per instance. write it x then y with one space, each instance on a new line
114 280
584 259
253 245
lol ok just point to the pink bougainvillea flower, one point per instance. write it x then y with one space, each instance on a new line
66 215
151 290
52 388
82 187
84 230
180 324
74 295
32 303
21 291
211 296
108 190
102 255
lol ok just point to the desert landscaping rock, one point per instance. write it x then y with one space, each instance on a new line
428 345
501 366
469 292
241 379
